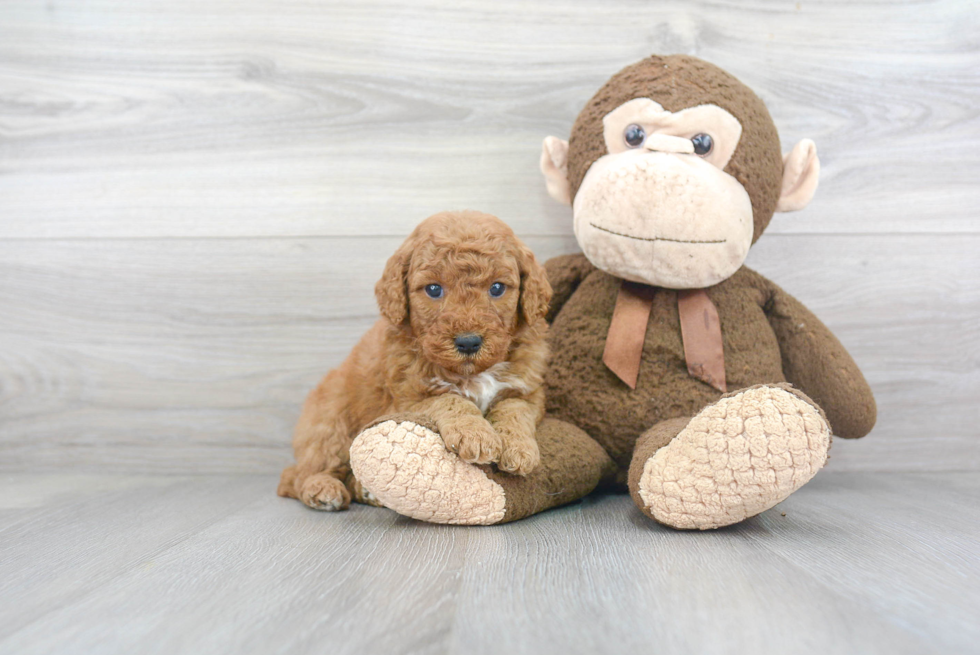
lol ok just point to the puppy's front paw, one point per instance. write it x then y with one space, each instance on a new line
325 492
520 455
473 439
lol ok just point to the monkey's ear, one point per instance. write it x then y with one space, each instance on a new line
535 289
554 165
391 290
801 171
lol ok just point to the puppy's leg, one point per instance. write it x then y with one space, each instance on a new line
322 447
286 482
463 428
516 420
324 491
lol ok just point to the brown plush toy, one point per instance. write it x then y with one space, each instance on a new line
676 371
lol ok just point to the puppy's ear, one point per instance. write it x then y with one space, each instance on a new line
535 290
392 289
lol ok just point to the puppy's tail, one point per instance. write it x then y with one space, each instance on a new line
287 483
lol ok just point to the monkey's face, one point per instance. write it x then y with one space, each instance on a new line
659 208
673 170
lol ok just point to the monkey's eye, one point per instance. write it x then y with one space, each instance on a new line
433 291
497 289
634 136
702 144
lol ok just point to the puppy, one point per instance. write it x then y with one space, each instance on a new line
461 341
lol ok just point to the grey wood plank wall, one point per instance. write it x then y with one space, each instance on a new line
197 197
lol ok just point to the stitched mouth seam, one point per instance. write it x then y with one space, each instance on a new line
630 236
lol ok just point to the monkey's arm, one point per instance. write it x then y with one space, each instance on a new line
565 272
816 362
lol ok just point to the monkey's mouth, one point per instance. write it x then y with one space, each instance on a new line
630 236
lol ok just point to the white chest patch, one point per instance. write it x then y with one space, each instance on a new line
482 389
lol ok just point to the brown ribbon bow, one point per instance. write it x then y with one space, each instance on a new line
700 331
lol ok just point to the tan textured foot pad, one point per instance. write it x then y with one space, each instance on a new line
737 458
407 468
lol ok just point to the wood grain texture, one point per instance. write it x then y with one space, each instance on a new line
191 355
196 198
854 562
129 519
293 118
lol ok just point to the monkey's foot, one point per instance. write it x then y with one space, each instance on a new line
406 466
736 458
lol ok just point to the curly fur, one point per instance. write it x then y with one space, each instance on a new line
486 405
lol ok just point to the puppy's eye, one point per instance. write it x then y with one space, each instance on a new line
703 144
634 136
497 289
433 291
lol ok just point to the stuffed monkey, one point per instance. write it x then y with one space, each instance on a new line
677 373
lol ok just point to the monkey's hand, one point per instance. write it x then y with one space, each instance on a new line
816 362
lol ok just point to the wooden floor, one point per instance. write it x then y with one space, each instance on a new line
862 563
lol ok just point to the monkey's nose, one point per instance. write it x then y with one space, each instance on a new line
468 344
668 143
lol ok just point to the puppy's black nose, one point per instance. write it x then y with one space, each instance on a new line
468 344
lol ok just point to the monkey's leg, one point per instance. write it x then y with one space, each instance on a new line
738 457
403 462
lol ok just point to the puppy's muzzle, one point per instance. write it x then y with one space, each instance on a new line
468 344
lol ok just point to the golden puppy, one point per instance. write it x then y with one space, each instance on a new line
461 341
